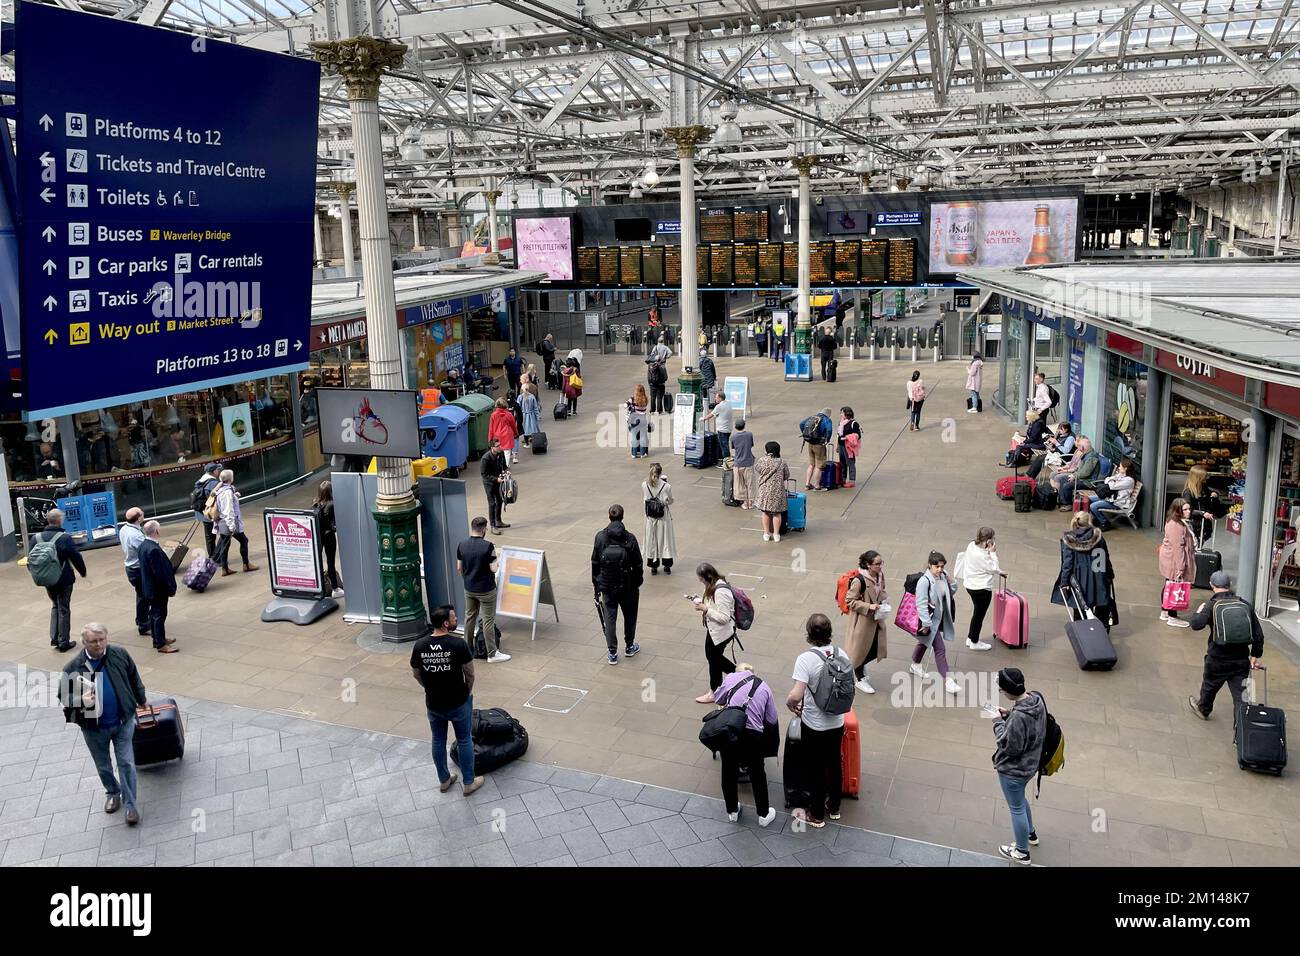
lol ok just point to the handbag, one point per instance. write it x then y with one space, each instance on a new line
723 727
907 617
1177 596
794 731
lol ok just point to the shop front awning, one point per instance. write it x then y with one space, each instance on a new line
1239 315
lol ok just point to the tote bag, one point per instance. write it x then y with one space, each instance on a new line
907 617
1177 596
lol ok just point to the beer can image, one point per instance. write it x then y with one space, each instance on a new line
961 246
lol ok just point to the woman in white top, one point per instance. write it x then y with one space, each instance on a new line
718 605
978 569
1122 483
660 543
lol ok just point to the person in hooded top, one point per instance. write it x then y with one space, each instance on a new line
1086 566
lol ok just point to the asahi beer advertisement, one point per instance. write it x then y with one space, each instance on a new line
291 540
966 234
545 245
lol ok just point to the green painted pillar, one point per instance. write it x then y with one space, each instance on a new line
398 528
692 383
802 340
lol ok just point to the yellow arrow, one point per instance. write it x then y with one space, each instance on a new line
50 336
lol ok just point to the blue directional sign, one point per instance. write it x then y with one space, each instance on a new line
166 189
911 218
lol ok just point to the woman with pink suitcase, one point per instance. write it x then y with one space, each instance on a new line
977 567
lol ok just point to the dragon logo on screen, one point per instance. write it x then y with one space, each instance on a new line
368 426
847 221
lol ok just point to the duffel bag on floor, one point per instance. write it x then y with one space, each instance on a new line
490 756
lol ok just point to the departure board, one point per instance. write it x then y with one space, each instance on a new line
821 264
790 260
588 266
629 266
846 261
720 273
652 265
609 266
875 258
702 265
673 266
769 263
715 225
751 225
746 264
902 262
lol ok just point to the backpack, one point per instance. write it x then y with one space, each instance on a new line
723 727
813 431
658 374
1232 621
842 589
744 608
210 509
613 563
1052 757
43 562
909 582
654 508
832 689
1055 396
199 496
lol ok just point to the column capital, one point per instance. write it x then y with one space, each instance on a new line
344 189
687 138
360 61
804 164
491 196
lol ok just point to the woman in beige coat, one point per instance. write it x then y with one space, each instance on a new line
1177 552
866 635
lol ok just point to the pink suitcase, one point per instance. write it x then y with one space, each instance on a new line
1010 616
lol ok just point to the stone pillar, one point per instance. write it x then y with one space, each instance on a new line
345 191
455 229
493 256
1256 505
361 61
1277 214
688 139
316 236
803 325
415 231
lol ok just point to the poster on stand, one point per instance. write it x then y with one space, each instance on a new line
683 421
736 388
293 545
237 420
523 584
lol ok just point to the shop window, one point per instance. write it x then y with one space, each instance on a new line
1126 398
1286 515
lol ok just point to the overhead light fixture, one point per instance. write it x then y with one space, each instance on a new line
1264 166
762 183
1132 195
728 132
635 192
1117 197
651 175
862 162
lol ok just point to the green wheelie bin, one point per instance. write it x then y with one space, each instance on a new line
479 408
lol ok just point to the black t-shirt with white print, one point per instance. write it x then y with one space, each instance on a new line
439 658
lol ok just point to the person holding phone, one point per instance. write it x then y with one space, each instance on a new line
1019 731
866 639
978 569
718 608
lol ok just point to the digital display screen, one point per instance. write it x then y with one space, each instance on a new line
629 266
751 225
821 263
702 265
875 258
846 261
715 225
652 265
902 262
545 245
790 260
673 266
769 263
609 266
746 264
588 266
720 266
1002 233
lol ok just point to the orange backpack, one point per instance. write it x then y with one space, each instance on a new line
842 589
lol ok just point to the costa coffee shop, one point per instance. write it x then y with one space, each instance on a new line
1195 363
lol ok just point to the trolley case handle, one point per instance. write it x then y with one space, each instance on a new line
1085 613
147 717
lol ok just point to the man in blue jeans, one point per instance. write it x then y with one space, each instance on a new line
1019 732
100 690
444 667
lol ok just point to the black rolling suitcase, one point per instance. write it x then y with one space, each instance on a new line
1022 494
537 442
832 369
1261 736
561 410
1092 647
794 776
698 451
159 733
1207 559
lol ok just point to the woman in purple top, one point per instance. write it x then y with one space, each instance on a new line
760 739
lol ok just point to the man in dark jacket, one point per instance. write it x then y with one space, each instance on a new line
61 593
158 585
826 345
1019 732
100 690
616 576
206 484
493 469
546 350
656 377
708 372
1229 658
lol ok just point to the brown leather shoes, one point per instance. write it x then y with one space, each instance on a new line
478 782
113 804
132 817
250 567
167 649
226 572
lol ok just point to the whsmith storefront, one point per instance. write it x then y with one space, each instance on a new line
1175 365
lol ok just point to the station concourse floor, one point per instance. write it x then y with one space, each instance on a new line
1145 782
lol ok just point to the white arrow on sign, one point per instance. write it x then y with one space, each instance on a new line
45 122
50 302
47 159
49 267
46 194
297 345
48 233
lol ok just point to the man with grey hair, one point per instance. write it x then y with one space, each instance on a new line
100 690
50 546
229 524
158 583
130 536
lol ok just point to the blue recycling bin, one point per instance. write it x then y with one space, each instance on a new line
444 433
798 367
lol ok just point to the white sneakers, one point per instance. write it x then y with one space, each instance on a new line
733 817
979 645
337 593
771 815
864 685
776 537
1177 622
767 536
1164 615
951 686
918 670
498 658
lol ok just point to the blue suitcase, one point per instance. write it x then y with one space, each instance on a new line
698 451
796 511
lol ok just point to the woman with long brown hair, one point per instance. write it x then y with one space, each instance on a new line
718 606
638 423
323 507
1177 553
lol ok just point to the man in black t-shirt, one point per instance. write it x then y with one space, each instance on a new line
444 667
476 561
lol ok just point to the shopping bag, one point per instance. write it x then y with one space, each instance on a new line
907 617
1177 596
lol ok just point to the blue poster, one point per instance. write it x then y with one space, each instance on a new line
165 217
1075 379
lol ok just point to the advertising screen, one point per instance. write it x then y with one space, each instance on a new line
545 245
652 265
769 263
369 422
1000 234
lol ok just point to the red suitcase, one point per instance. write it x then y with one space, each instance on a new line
851 756
1082 501
1010 616
1004 485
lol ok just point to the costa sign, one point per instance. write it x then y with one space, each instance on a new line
1200 370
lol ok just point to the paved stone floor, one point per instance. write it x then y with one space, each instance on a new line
264 789
1144 781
